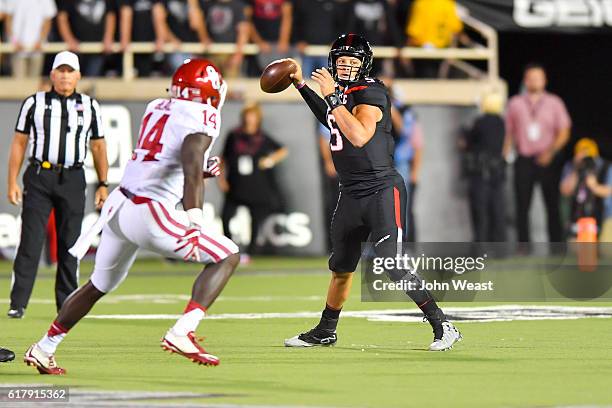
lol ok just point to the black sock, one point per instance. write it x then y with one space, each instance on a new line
433 313
429 306
330 313
426 303
329 318
424 300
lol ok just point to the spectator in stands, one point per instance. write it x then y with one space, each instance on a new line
271 28
2 15
486 166
331 186
225 22
137 24
27 26
402 12
588 181
408 134
538 124
181 21
88 21
249 157
316 22
433 24
375 20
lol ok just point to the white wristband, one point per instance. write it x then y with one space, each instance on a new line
196 216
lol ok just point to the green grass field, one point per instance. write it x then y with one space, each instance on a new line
375 364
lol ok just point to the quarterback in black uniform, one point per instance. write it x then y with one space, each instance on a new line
372 203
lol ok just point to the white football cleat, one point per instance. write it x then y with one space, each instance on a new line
44 362
188 347
450 336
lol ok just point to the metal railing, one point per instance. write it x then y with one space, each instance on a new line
492 43
455 56
481 54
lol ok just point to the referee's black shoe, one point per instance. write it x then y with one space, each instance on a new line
314 337
16 313
6 355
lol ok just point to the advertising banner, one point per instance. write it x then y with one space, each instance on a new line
562 16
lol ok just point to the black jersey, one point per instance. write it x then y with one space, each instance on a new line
363 171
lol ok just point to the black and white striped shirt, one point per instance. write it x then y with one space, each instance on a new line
60 127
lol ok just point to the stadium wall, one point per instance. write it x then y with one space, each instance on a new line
441 203
298 232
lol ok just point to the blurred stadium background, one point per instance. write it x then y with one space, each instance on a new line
502 37
519 363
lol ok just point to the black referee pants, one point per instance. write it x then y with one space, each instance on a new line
487 208
526 173
44 190
259 213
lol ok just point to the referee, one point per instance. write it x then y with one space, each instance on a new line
58 124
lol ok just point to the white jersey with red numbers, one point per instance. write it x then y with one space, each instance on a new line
155 170
143 214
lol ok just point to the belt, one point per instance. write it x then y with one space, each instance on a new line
133 197
58 168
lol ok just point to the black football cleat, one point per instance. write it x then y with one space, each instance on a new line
16 313
6 355
314 337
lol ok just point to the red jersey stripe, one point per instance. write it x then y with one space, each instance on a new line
357 88
397 204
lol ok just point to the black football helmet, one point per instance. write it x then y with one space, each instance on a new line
351 45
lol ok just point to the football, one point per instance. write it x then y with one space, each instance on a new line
275 77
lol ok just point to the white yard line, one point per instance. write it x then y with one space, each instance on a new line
462 314
165 299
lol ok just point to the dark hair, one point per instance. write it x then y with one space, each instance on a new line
534 65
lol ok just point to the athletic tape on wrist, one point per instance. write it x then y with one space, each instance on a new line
196 216
333 101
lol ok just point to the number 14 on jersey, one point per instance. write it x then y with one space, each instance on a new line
151 132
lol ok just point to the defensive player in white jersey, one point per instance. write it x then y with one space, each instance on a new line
176 136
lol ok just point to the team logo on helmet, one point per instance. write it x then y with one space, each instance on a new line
198 80
212 76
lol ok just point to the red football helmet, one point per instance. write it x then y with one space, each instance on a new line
199 80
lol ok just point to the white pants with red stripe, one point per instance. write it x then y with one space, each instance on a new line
153 227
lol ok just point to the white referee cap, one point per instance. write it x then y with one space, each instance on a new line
67 58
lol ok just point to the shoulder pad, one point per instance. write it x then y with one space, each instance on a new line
369 92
